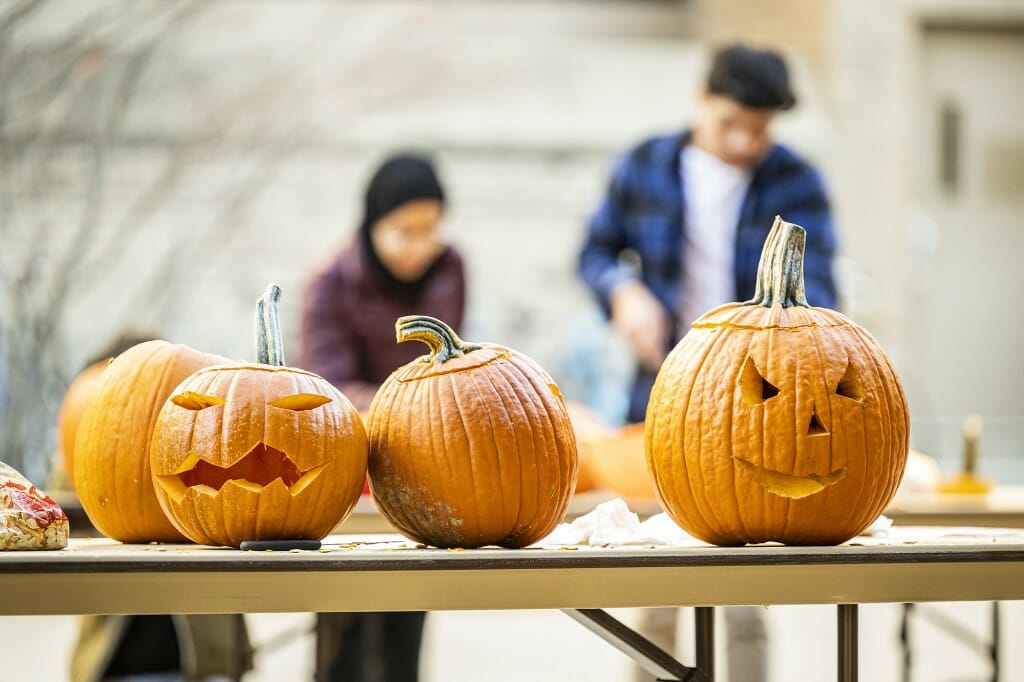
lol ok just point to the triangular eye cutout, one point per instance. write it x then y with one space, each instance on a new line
754 387
850 386
196 401
816 428
300 402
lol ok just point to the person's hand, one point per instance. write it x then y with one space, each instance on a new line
638 315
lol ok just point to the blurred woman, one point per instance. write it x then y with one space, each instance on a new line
396 265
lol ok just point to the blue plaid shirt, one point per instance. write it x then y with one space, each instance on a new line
643 211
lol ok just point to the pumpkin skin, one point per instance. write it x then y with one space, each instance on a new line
72 405
112 466
257 452
470 445
775 421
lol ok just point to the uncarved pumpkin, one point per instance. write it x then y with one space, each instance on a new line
774 420
112 471
470 445
258 451
618 464
72 405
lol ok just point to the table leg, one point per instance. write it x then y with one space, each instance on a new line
704 620
905 641
649 656
994 649
847 642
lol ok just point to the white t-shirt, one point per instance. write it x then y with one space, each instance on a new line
713 192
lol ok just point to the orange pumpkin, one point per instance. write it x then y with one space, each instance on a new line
774 420
258 451
617 463
70 414
112 475
470 445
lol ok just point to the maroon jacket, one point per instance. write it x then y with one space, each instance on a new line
348 321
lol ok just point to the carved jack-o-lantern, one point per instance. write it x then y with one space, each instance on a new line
773 420
258 451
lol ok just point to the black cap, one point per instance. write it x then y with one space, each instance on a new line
754 78
400 179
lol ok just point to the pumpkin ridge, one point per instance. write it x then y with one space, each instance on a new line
433 398
175 351
766 502
507 382
734 376
542 390
538 446
494 439
471 453
401 513
863 337
703 508
887 439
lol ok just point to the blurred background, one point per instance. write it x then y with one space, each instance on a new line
161 161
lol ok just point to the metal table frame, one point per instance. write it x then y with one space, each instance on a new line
101 576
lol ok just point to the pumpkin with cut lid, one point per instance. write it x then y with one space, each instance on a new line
258 451
470 445
772 420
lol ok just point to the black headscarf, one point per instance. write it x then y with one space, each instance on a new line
400 179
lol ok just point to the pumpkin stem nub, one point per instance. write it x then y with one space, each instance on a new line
780 273
444 343
269 341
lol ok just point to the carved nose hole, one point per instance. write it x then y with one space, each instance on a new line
816 428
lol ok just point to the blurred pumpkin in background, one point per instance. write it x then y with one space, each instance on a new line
70 414
258 451
774 420
73 405
111 453
470 445
617 463
587 426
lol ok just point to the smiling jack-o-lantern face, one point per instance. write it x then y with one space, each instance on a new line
254 452
257 452
773 420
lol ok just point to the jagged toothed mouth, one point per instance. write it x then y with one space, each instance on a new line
259 468
790 485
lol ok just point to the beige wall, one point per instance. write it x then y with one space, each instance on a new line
885 113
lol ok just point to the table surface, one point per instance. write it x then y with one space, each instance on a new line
1003 507
385 572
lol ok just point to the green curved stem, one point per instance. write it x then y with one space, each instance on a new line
442 340
780 273
267 324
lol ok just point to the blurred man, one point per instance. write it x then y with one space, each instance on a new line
680 231
695 208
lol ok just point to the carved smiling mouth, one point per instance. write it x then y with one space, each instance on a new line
790 485
257 469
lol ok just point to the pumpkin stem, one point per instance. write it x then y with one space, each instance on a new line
269 341
444 343
780 274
